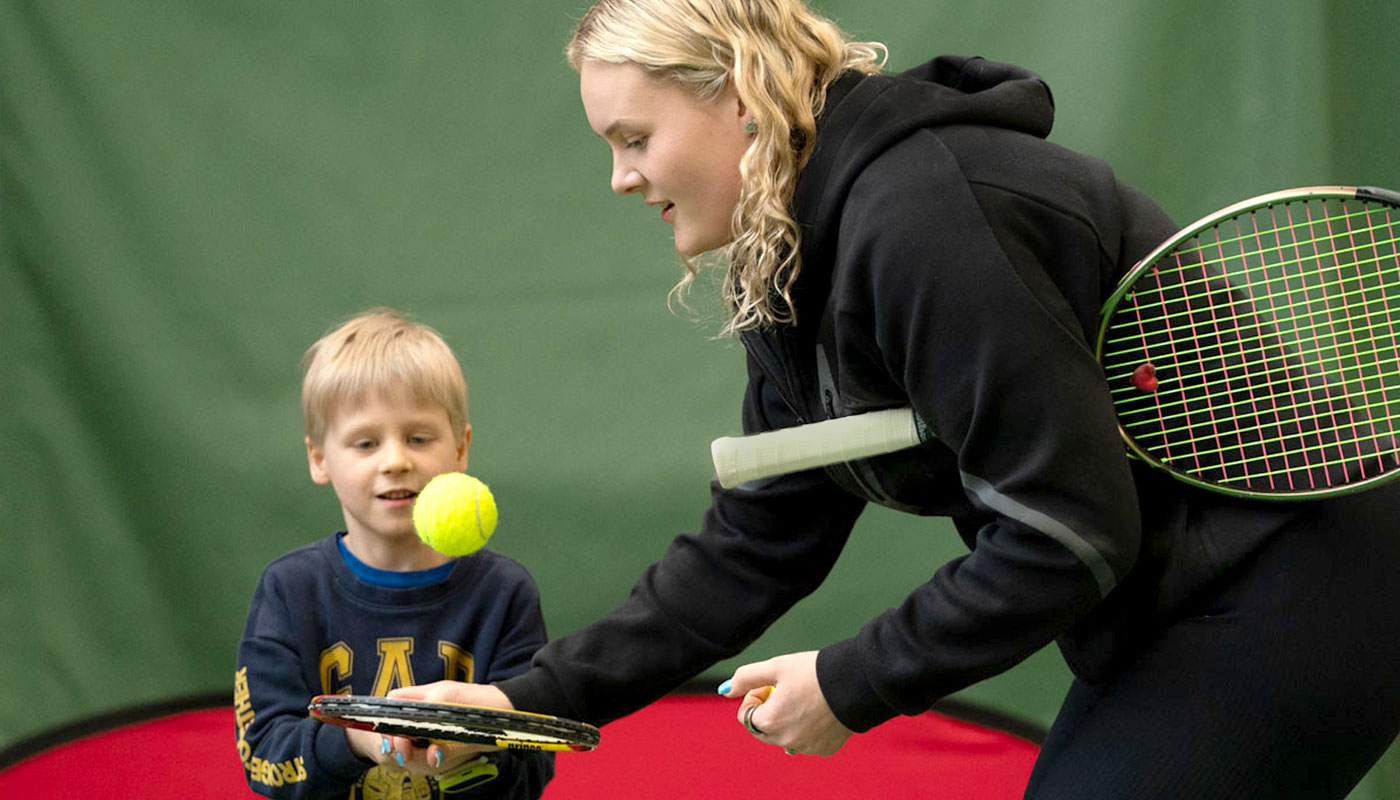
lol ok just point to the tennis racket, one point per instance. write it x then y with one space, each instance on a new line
450 722
1255 353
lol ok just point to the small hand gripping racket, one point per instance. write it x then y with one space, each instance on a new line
1255 353
451 722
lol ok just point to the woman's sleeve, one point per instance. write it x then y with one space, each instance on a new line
761 548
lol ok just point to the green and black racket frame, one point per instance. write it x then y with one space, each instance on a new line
1255 353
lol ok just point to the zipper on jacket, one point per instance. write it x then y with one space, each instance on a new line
866 482
771 363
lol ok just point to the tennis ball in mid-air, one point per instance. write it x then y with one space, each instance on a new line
455 514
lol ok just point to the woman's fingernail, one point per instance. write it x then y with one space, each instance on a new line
724 687
383 745
437 757
399 758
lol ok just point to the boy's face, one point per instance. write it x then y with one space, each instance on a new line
378 456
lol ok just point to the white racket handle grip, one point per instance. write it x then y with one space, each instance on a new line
739 459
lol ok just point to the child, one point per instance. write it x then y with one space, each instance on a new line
373 608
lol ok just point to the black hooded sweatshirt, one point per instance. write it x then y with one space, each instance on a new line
955 261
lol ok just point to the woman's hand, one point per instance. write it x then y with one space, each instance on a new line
437 758
789 709
467 694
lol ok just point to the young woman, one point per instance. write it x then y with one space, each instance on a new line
913 239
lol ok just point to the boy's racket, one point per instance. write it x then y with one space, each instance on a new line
450 722
1255 353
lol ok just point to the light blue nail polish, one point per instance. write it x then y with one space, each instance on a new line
437 758
399 758
383 745
724 687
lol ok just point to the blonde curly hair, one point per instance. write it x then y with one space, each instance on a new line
780 56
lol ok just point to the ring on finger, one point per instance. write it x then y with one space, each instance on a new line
748 721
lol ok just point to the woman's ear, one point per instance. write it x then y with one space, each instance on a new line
731 95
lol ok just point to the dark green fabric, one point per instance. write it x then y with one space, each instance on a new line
191 193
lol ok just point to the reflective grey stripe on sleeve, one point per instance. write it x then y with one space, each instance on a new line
1085 552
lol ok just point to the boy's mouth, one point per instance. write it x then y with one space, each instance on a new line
398 494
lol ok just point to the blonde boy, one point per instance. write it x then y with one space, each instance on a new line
371 608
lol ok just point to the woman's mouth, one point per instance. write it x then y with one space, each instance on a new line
668 212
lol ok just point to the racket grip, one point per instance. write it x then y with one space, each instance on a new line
739 459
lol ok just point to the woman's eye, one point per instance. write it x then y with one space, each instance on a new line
636 143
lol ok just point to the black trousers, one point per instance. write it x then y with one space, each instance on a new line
1285 683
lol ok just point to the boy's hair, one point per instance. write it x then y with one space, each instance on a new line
379 351
780 56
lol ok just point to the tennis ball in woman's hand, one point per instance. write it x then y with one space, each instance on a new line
455 514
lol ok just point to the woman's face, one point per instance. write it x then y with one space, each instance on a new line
681 154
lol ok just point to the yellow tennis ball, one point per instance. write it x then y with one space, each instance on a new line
455 514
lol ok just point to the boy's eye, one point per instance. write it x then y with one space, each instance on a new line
419 439
362 444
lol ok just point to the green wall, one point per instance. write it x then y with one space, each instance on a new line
193 192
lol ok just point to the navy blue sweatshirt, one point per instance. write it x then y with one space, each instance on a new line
315 627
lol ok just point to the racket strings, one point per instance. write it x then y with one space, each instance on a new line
1275 370
1357 444
1271 360
1218 299
1181 411
1275 345
1292 468
1305 426
1278 230
1293 471
1274 355
1265 442
1285 268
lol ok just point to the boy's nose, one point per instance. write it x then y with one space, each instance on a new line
395 459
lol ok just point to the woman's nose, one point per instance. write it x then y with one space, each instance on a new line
625 179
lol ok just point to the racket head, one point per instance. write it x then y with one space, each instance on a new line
452 722
1256 352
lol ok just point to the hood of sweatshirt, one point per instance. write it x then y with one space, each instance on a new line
866 114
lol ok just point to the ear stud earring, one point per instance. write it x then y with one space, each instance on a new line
751 127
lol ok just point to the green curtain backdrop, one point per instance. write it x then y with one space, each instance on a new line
193 192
